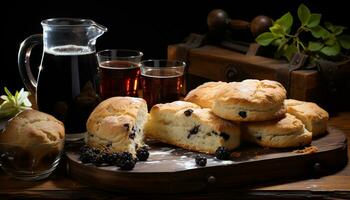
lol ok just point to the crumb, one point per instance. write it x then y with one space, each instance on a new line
310 149
236 154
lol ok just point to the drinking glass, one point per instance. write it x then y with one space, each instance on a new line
162 80
119 71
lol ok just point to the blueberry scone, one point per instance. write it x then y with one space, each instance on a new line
314 118
116 125
205 94
251 100
282 133
186 125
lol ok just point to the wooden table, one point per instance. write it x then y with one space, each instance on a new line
60 186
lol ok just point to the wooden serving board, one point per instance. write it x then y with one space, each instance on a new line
170 169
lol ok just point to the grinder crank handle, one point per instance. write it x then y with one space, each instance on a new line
218 20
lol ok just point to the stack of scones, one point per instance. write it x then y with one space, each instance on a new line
218 114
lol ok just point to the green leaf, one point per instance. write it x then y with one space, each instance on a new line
330 41
331 50
320 32
303 14
314 46
338 30
286 22
329 26
290 51
314 20
266 38
277 30
344 41
335 29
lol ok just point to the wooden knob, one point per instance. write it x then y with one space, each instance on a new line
217 19
260 24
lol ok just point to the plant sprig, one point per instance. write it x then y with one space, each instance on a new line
12 104
327 40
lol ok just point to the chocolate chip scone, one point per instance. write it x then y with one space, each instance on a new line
186 125
116 125
314 117
205 94
282 133
251 100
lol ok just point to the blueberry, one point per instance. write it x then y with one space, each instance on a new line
193 131
142 154
225 136
125 161
128 165
86 154
243 114
201 161
188 112
84 148
222 153
98 160
111 158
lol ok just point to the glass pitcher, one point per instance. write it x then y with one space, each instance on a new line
66 86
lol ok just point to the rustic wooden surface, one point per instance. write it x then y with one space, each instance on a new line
60 186
176 164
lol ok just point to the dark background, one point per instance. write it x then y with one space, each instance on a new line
148 26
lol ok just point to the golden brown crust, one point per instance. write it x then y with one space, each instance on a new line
251 100
254 94
117 123
31 127
283 133
205 94
313 116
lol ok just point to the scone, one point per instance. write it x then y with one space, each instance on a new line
314 118
116 124
282 133
186 125
34 139
205 94
32 127
251 100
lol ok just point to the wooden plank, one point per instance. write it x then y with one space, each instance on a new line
214 63
171 169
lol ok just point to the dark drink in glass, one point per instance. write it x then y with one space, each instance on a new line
119 71
162 81
118 78
67 86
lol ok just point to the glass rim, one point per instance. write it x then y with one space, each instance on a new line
78 22
179 64
83 22
138 53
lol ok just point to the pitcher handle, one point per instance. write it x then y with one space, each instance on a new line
24 58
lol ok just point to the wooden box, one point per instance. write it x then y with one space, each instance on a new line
209 62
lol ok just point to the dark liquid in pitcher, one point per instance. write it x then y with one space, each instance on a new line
161 86
67 86
119 78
